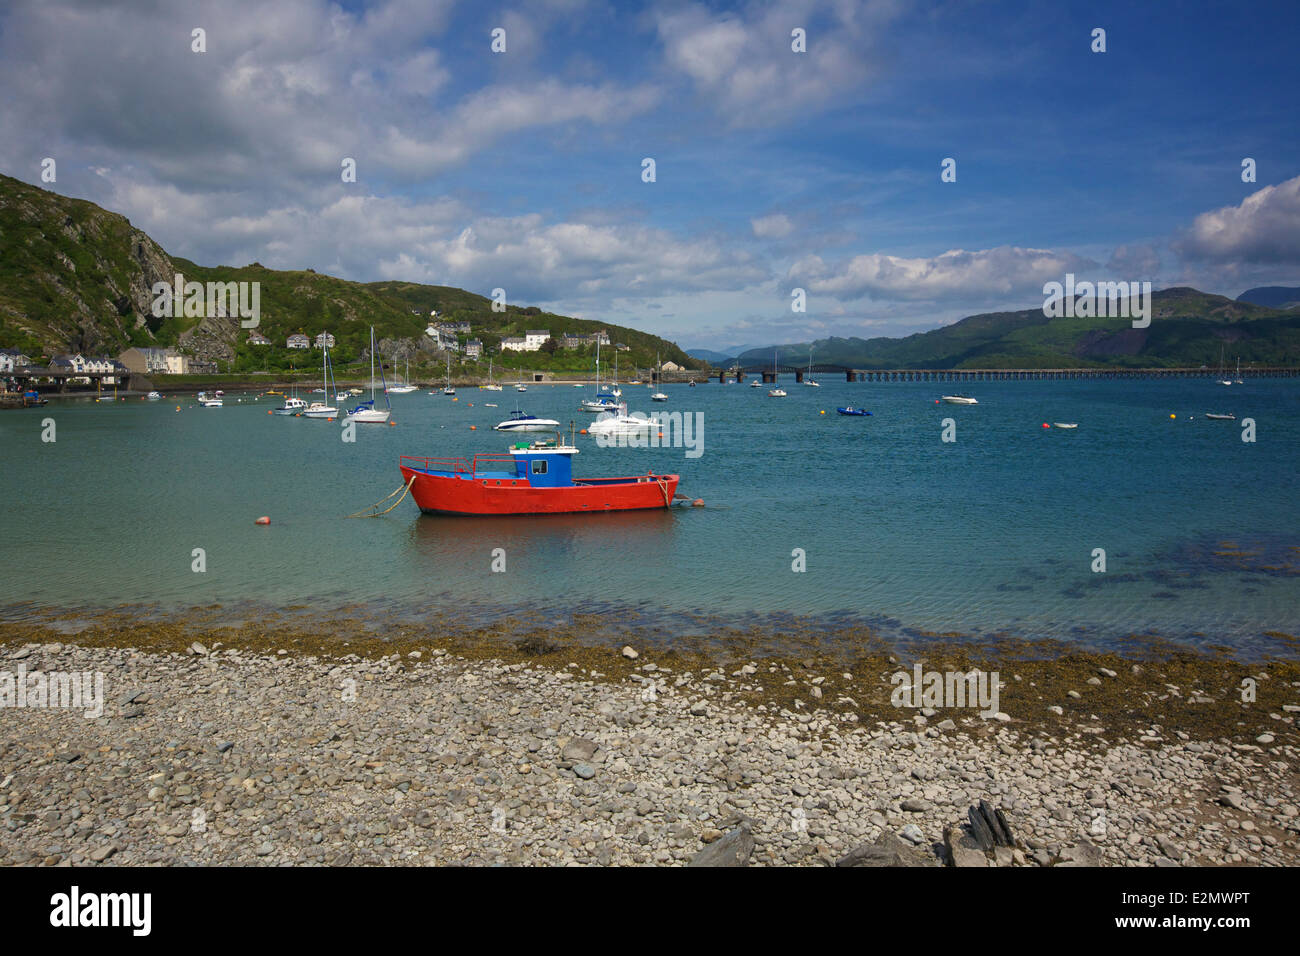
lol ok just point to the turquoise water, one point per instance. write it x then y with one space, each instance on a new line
993 533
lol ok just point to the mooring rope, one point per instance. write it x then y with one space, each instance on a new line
403 489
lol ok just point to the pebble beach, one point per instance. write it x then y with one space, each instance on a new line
435 753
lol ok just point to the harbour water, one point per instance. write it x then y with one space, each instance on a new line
993 533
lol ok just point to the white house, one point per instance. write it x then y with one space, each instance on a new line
166 361
442 338
11 359
298 341
257 338
514 343
324 341
473 349
534 339
671 367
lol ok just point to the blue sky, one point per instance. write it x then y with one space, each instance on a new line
774 169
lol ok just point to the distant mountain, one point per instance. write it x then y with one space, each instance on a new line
1273 296
75 277
1188 328
708 355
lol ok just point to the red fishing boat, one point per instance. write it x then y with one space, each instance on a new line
530 478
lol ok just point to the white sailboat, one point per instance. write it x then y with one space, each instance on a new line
1223 380
324 409
776 391
808 379
491 386
1238 380
406 388
605 400
365 412
449 390
659 396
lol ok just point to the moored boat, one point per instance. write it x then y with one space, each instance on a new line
1222 418
960 400
365 412
520 422
530 478
850 410
291 406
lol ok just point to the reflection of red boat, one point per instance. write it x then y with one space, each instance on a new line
532 478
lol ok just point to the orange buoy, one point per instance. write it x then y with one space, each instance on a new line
269 412
1045 425
391 424
473 428
263 520
582 431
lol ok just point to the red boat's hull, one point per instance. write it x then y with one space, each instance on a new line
442 494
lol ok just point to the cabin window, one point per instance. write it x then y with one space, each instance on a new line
539 467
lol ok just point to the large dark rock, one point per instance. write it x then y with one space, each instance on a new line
732 850
888 850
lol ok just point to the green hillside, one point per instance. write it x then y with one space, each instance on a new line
75 277
1188 328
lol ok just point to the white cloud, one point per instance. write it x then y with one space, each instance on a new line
1264 229
956 274
742 62
776 226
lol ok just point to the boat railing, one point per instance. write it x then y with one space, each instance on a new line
461 466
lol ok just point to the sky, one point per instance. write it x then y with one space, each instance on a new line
775 169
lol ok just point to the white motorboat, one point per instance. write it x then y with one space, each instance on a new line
1065 424
291 406
520 422
756 384
154 396
959 400
619 422
776 393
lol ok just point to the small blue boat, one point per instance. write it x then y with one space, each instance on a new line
852 411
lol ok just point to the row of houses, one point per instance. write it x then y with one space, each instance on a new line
137 361
296 341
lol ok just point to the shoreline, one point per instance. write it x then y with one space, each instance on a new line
488 747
